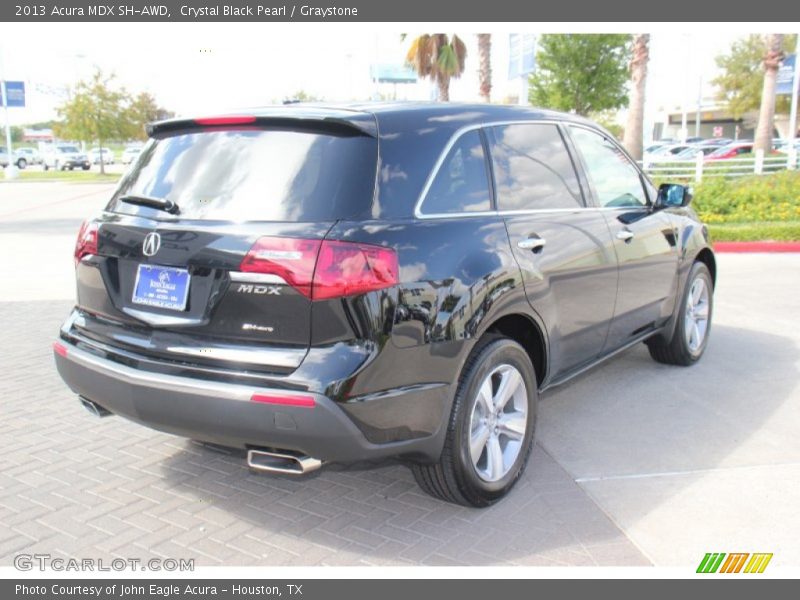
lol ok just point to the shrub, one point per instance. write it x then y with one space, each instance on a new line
751 199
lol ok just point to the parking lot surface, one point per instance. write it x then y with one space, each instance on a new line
636 463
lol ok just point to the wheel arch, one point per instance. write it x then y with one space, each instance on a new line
706 256
527 333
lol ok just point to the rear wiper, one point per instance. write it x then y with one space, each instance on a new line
159 203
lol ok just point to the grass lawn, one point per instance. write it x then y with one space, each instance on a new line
69 176
785 231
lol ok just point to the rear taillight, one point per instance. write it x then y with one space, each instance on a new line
87 241
291 259
346 269
324 269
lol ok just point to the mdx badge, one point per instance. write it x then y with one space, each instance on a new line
249 288
151 244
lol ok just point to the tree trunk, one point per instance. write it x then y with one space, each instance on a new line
766 115
635 123
443 82
485 66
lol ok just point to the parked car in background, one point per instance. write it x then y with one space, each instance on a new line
107 154
258 283
783 146
733 150
663 154
691 152
130 154
4 160
716 142
27 156
65 156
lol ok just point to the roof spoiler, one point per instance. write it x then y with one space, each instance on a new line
351 124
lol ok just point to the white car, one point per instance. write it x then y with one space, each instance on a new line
130 154
26 156
663 154
65 156
107 154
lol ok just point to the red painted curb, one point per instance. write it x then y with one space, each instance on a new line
757 247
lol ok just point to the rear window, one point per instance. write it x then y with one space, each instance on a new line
255 175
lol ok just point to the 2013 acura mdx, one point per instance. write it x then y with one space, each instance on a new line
333 284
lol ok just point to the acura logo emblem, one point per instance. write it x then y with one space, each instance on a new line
152 242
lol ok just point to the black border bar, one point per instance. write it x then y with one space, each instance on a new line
445 11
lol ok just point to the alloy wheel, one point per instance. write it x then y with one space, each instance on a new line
498 422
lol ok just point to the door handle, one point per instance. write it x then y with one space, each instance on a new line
532 243
626 235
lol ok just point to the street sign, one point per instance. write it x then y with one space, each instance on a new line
521 54
392 73
783 85
16 94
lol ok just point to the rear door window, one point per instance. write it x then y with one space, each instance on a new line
532 168
255 175
461 184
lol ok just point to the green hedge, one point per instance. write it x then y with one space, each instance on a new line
754 199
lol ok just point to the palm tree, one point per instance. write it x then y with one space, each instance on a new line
766 115
638 69
436 57
485 66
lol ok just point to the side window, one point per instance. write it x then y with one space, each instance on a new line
616 181
532 168
461 184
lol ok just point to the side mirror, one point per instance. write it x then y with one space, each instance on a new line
673 195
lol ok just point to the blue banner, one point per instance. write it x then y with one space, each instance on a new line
786 76
15 90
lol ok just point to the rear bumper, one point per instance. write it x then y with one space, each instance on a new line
223 413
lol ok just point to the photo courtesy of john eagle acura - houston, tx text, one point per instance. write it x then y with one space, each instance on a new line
332 284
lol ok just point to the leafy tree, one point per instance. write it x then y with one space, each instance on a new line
17 134
437 57
607 120
99 111
485 66
143 110
583 73
302 96
96 111
740 84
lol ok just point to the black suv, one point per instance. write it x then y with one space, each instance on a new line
333 284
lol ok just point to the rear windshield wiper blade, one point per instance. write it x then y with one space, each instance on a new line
159 203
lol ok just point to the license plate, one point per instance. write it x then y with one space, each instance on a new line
162 287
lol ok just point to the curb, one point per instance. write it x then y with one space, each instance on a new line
744 247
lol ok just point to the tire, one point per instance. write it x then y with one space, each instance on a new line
683 348
22 163
457 477
86 167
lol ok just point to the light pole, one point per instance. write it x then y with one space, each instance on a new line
795 92
11 168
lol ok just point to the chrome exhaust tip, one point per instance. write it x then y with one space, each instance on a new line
94 408
283 462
